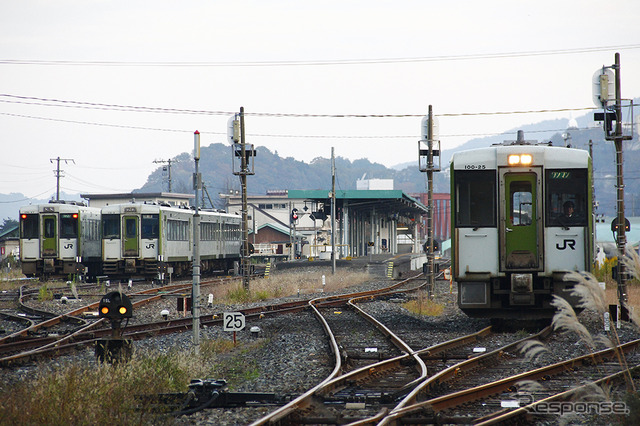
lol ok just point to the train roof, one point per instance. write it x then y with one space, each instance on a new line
495 156
153 208
58 207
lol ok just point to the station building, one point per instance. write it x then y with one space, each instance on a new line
367 221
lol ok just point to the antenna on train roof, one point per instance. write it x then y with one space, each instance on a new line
519 141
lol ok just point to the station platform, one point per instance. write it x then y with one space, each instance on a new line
383 265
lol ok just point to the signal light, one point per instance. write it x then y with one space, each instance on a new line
294 215
115 306
75 215
23 216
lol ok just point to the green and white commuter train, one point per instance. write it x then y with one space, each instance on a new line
522 218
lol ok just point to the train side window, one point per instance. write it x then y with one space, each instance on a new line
110 226
150 227
567 197
475 198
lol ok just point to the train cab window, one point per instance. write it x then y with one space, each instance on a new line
150 227
110 226
49 227
68 225
567 197
521 204
130 227
475 198
29 226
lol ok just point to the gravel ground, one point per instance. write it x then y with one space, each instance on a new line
297 340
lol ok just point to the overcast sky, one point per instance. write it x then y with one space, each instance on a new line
285 62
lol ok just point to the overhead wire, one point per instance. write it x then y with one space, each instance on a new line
320 62
52 102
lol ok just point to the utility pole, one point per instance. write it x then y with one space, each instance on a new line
195 293
168 162
333 212
59 173
426 164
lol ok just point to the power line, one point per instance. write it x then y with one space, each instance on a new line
318 62
28 100
158 129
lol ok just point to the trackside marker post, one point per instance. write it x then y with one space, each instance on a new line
233 321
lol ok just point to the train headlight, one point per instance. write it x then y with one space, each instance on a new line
520 159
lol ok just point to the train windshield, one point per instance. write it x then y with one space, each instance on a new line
150 228
110 226
29 226
567 197
68 225
475 198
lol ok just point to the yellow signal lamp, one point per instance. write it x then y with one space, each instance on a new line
104 310
122 310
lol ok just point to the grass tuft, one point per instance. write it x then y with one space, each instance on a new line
532 350
588 290
566 320
288 284
423 305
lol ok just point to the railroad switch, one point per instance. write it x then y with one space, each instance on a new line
211 393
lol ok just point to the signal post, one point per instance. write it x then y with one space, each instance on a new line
608 95
428 150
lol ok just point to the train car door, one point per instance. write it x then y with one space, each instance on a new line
130 236
520 222
49 235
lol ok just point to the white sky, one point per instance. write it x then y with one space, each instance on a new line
116 151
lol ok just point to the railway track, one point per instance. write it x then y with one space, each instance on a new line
408 394
485 404
62 333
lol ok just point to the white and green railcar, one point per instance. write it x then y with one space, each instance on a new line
147 240
60 239
521 220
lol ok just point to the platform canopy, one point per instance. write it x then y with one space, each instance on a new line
382 201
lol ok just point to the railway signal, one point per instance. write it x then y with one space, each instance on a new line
114 306
294 215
